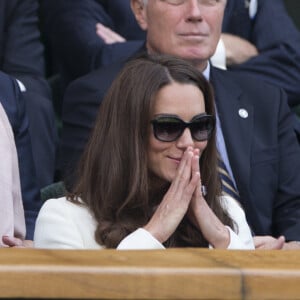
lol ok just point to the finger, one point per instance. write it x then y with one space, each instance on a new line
200 191
184 183
11 241
258 241
269 243
195 162
103 33
116 37
280 242
196 170
184 169
108 35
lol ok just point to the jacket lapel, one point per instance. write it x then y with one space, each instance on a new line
236 117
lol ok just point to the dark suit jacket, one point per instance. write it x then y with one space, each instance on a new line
14 106
263 150
70 28
22 57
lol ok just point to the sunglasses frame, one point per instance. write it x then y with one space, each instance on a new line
183 125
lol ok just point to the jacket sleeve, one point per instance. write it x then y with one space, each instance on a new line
241 237
140 239
62 224
23 51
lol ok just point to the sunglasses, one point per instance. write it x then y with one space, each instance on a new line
170 128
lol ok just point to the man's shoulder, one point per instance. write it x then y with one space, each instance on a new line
245 82
97 81
102 78
105 73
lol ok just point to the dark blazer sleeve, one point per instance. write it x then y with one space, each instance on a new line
22 53
70 28
14 106
277 39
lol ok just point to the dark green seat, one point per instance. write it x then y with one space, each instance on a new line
54 190
297 110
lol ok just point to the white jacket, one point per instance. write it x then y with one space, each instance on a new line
62 224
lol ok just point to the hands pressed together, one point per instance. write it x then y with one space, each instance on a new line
184 197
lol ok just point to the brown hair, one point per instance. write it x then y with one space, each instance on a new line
114 180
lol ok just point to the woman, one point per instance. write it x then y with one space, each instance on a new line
139 181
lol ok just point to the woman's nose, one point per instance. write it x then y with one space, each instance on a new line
185 140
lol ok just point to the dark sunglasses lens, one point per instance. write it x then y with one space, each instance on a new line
167 130
201 129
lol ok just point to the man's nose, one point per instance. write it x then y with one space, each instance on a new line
194 10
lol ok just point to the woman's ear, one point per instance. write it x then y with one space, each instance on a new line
139 10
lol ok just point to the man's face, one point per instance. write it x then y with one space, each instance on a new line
189 29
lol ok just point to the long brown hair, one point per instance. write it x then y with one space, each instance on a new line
113 174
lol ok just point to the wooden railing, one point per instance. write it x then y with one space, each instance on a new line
163 274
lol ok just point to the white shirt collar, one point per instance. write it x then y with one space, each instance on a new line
206 71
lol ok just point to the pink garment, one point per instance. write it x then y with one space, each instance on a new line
12 220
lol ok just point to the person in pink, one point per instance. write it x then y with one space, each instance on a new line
12 220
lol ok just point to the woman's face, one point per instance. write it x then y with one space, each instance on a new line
184 101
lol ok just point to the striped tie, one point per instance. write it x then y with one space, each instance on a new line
228 187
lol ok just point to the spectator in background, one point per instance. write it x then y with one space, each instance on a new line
12 101
69 27
258 38
22 57
12 220
256 129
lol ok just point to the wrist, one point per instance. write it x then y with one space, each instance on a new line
221 239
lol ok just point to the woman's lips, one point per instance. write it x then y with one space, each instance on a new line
175 159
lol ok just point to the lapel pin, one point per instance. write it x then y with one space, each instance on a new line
243 113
